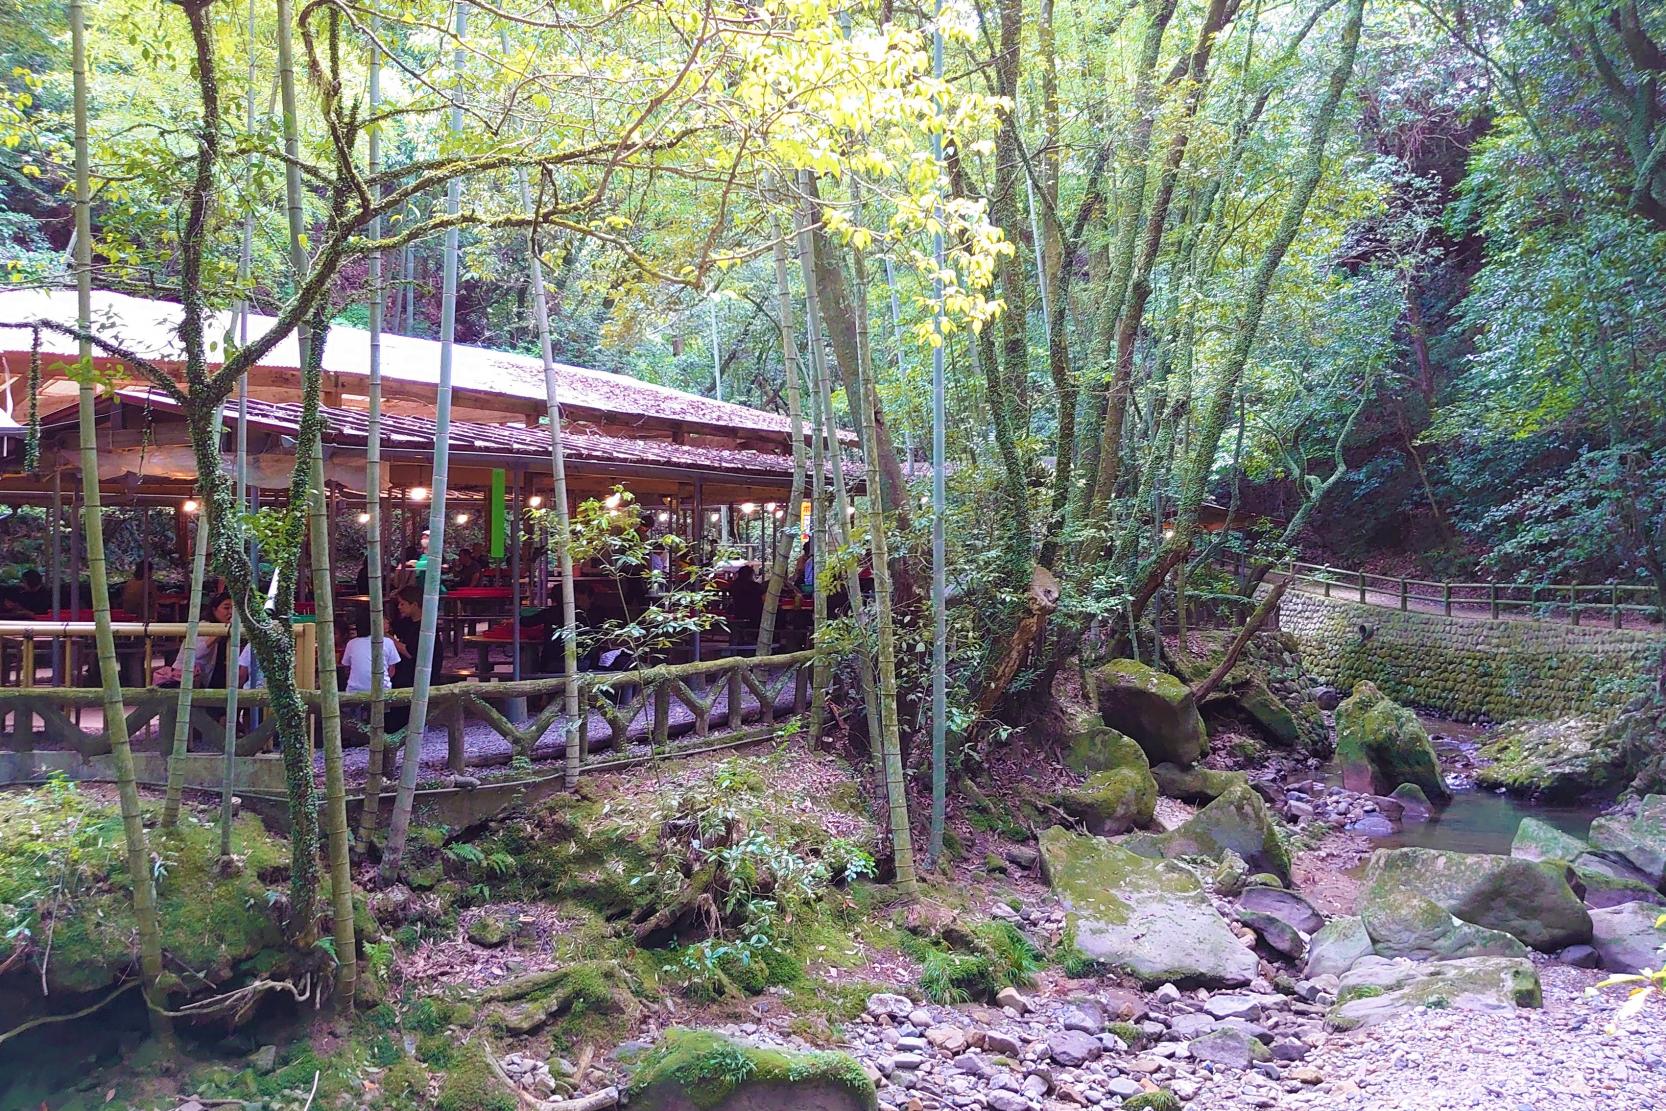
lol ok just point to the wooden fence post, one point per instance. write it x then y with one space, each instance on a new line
1327 581
1402 595
1361 575
1446 598
1492 600
737 699
1573 604
1614 602
662 713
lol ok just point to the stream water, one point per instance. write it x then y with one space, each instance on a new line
1477 820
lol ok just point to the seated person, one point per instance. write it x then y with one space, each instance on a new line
746 601
29 598
208 664
139 593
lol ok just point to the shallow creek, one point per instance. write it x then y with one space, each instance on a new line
1476 820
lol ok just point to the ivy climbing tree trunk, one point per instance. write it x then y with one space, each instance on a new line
109 667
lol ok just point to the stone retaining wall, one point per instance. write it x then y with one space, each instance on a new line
1471 669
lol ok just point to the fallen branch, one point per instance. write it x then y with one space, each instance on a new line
525 1098
595 1101
1256 619
315 1075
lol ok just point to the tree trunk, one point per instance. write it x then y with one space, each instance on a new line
1257 619
781 561
373 560
188 674
1042 601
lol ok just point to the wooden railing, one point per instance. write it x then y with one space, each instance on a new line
1613 603
709 698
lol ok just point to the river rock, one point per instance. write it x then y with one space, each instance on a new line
1195 784
1530 900
1377 990
1287 906
1558 759
1154 708
1626 937
1337 947
1381 745
1539 840
1414 804
1119 792
1274 933
1072 1048
1150 918
1237 822
1229 1047
1404 923
1639 837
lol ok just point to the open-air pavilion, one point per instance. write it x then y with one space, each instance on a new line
710 472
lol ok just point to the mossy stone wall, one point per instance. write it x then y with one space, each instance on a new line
1472 669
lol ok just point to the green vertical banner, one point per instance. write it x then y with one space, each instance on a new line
499 507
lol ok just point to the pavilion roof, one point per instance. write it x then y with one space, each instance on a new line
484 382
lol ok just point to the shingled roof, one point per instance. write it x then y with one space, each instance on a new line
483 381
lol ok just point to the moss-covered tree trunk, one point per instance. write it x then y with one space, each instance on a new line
109 667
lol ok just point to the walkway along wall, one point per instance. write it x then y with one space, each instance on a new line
1472 669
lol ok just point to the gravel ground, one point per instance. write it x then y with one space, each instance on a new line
1560 1058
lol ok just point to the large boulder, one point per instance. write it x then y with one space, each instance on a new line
1154 708
1119 792
1638 836
1286 906
1557 759
1195 784
1336 948
1381 745
1149 918
1376 990
1403 923
1607 879
1627 938
1238 821
1530 900
698 1070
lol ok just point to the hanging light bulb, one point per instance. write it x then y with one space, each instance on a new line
535 501
663 516
190 505
461 518
769 507
364 518
419 493
748 507
612 501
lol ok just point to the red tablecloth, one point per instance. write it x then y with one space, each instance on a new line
504 632
479 594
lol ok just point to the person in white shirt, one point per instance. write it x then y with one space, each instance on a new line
355 656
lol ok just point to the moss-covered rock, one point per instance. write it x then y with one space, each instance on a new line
488 931
592 996
220 926
1381 745
1377 990
1403 923
1530 900
1154 708
1559 759
1194 784
697 1070
470 1084
1118 793
1638 836
1337 947
1628 937
1149 918
1238 821
1607 880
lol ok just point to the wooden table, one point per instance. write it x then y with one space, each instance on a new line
498 635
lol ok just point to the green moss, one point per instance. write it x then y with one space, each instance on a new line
1361 991
403 1084
706 1069
436 1050
427 1015
211 923
470 1086
1160 1100
1381 744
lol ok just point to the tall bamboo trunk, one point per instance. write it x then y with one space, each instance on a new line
323 586
109 667
372 804
400 821
571 707
188 673
781 560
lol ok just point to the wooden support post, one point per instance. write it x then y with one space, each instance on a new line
456 757
662 713
1614 602
1325 578
801 690
1573 605
737 697
1446 598
1492 600
1361 575
1402 595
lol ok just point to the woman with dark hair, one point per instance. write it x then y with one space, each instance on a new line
208 665
405 630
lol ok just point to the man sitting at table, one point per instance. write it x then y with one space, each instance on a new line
28 599
746 604
406 632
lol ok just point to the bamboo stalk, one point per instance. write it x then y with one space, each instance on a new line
373 489
109 667
781 560
188 672
400 820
